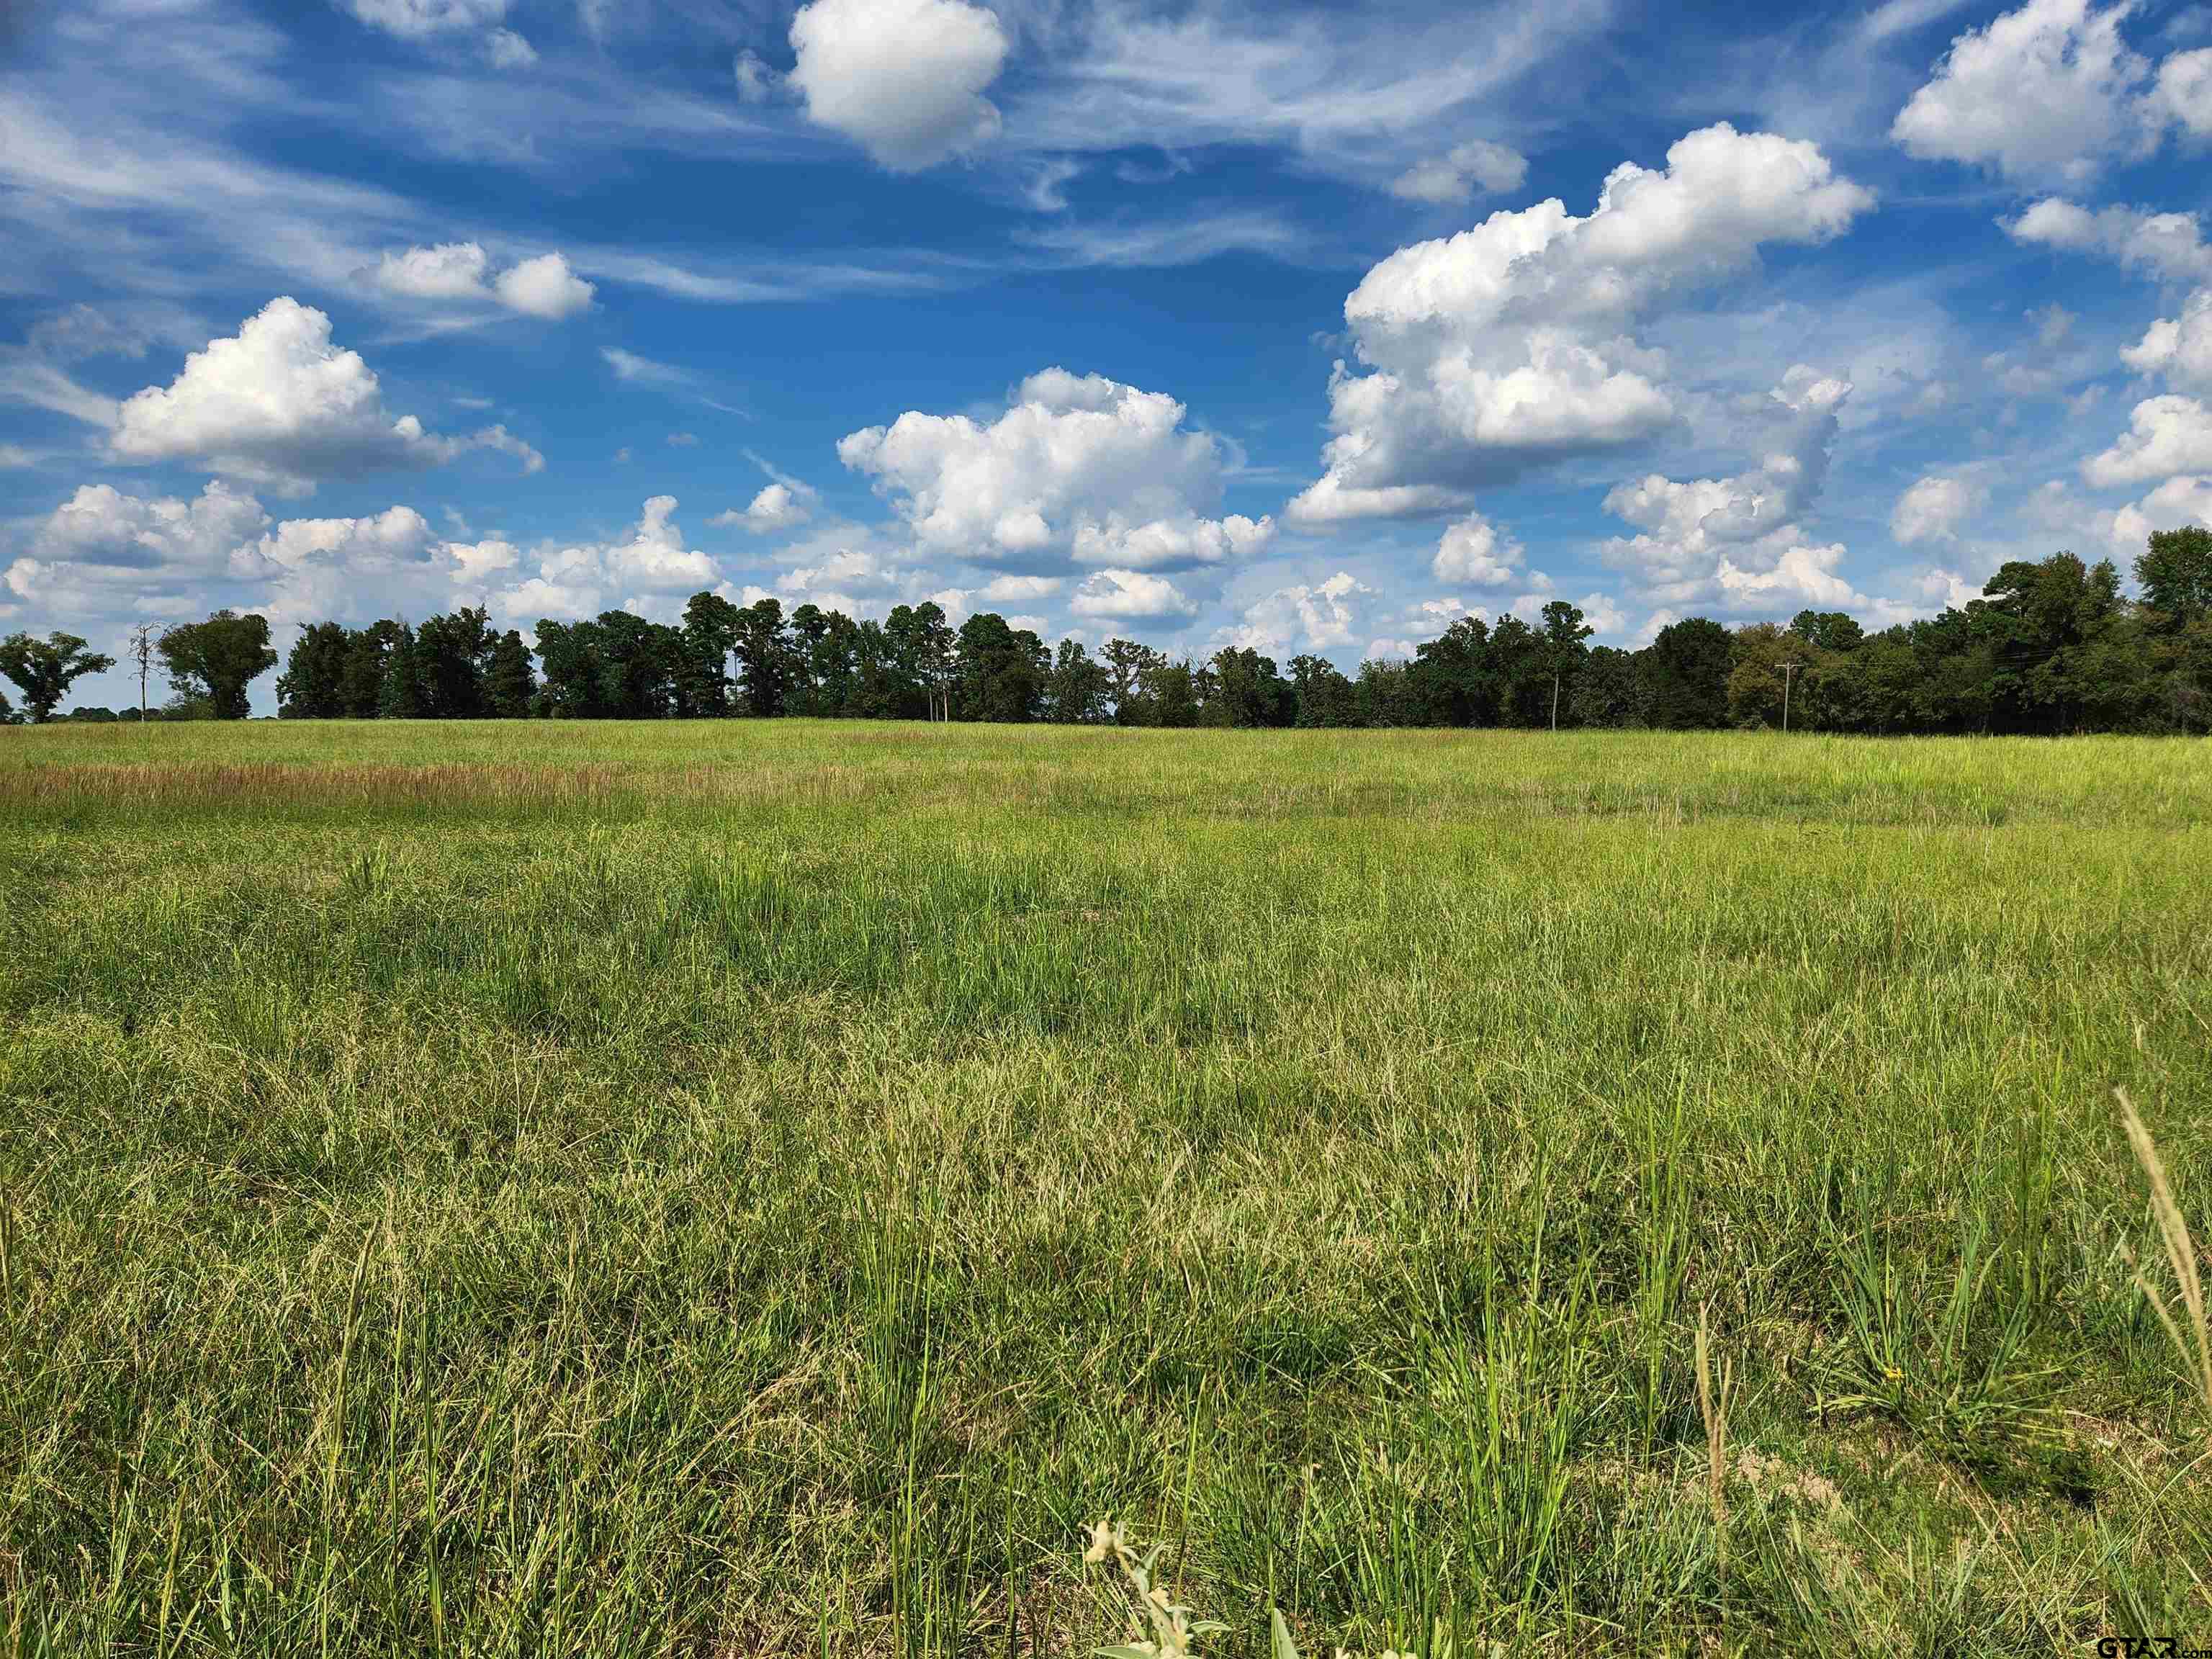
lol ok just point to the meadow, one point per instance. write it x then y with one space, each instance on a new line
767 1188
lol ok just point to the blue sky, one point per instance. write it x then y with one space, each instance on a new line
1306 327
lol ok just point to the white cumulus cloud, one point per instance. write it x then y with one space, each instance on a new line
2166 435
1932 510
101 525
1801 574
778 506
104 552
451 270
1171 543
2178 348
2170 245
1472 550
543 287
2184 94
1462 170
1019 590
583 579
1740 541
1512 343
397 533
308 569
2050 92
903 78
1603 615
476 564
1080 467
1129 595
2173 505
1306 617
280 404
835 578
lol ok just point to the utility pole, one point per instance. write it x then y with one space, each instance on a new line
1789 669
1555 697
141 651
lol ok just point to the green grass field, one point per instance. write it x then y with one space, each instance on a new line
767 1187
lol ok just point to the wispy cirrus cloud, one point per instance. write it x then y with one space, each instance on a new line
1177 239
1358 94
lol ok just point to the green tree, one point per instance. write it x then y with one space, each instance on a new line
1609 690
999 672
1129 665
712 625
1686 669
2043 622
368 653
616 666
313 685
403 696
902 684
2119 673
8 714
1451 680
764 658
1767 659
1325 698
1247 692
1385 695
819 679
1828 631
919 669
45 669
1955 664
1565 638
213 662
636 663
845 651
2186 694
1216 711
570 688
510 686
1168 693
936 645
1520 666
452 656
879 686
2175 573
1076 689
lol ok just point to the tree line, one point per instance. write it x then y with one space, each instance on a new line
209 665
2050 647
